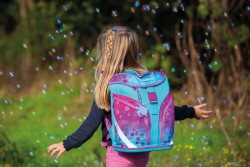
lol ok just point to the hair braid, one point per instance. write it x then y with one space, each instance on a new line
109 49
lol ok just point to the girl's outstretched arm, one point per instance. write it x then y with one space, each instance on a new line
82 134
184 112
86 130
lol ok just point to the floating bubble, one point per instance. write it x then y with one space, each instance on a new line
92 59
114 13
224 101
137 3
182 21
132 9
71 33
235 46
97 10
146 8
179 34
175 9
52 37
206 33
58 21
209 28
200 99
52 137
50 67
11 74
172 69
31 153
225 14
185 71
248 8
62 93
156 5
139 54
182 7
153 11
186 92
211 126
81 49
167 46
155 28
65 7
192 138
95 162
61 126
25 46
192 125
232 24
248 133
138 26
45 86
55 161
185 52
44 91
87 53
147 32
64 36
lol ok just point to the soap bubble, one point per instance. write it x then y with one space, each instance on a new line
56 161
50 67
137 3
97 10
11 74
175 9
132 9
179 34
167 46
146 8
114 13
185 52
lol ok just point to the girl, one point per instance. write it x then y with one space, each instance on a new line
118 48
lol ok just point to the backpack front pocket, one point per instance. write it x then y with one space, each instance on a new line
166 120
132 122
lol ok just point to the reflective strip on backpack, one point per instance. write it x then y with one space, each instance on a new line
123 137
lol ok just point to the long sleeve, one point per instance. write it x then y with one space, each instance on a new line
86 130
184 112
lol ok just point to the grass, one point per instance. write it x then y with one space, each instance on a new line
30 124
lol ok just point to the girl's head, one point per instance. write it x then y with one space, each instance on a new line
117 50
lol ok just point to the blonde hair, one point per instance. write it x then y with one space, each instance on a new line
117 49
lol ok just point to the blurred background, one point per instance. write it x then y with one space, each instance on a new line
47 63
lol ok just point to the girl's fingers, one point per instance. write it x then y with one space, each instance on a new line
59 154
205 116
54 151
51 147
201 105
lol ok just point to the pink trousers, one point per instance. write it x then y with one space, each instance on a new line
122 159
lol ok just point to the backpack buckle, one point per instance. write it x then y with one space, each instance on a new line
152 98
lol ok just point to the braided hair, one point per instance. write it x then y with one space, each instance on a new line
109 49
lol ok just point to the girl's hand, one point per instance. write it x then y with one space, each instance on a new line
58 147
201 114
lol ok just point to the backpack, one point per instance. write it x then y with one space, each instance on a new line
142 112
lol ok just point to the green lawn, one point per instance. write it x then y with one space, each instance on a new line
28 126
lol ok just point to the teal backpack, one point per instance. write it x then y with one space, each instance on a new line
142 112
